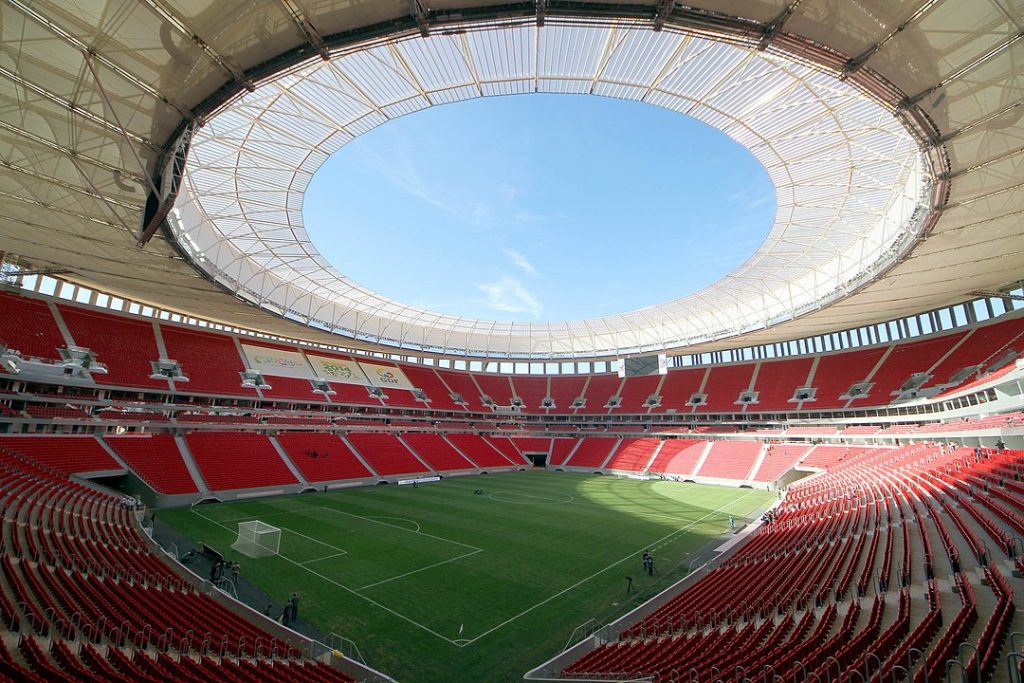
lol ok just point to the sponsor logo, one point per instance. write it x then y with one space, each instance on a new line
339 370
386 376
278 360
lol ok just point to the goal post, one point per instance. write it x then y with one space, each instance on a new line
257 539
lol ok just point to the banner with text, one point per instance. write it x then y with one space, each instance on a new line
277 362
338 370
386 376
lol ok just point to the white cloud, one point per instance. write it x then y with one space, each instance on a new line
510 296
520 261
400 170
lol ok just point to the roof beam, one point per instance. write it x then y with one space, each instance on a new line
661 13
418 9
854 64
973 64
774 27
309 33
986 294
167 15
74 108
113 66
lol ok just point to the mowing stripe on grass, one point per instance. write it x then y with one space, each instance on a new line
602 571
464 642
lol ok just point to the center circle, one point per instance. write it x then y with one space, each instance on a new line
539 207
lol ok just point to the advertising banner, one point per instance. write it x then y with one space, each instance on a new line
277 363
386 376
338 370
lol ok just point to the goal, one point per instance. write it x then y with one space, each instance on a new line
257 539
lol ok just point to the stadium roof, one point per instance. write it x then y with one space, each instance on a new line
892 131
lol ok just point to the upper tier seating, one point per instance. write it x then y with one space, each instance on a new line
462 384
632 455
599 390
157 459
592 452
428 381
386 454
322 457
730 459
634 394
678 387
980 347
678 456
723 387
125 345
210 361
497 387
69 454
906 359
531 391
777 382
28 326
238 460
836 372
437 452
565 390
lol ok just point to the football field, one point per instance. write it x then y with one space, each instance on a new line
439 583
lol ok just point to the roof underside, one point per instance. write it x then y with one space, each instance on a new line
91 103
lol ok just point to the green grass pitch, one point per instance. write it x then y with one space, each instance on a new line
402 571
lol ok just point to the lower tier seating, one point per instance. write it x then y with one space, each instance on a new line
157 459
876 566
69 454
322 457
238 460
91 603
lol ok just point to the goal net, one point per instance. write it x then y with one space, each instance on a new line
257 539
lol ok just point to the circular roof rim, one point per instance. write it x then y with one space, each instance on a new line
915 125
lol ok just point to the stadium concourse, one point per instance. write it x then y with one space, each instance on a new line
168 333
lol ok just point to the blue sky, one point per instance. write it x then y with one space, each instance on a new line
539 207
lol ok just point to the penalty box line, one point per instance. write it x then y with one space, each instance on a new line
421 569
347 589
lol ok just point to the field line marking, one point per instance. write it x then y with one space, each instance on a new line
321 559
553 501
404 519
341 551
421 569
402 528
344 587
602 571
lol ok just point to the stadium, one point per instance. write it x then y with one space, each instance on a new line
224 458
